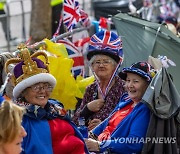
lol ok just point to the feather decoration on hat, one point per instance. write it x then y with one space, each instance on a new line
165 61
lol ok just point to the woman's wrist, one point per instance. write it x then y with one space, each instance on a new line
98 145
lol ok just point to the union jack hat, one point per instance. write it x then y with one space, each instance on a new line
107 43
142 69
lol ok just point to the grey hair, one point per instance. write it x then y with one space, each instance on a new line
94 57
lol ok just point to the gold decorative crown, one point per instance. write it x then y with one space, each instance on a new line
29 67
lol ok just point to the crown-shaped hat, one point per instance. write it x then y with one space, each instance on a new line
29 70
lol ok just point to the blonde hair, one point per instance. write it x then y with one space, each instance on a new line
10 121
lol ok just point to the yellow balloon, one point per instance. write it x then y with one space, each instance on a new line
58 49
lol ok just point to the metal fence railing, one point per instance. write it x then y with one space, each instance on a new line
17 18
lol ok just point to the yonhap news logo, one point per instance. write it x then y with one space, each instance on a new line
138 140
141 140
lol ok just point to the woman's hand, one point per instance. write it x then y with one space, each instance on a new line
95 105
92 145
93 123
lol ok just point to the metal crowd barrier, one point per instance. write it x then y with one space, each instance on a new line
9 15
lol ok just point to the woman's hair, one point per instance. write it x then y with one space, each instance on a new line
10 121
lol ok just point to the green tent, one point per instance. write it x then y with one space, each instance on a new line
142 38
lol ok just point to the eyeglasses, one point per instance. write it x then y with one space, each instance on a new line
37 88
104 62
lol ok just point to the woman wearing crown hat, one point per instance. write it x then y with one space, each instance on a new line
105 55
49 131
124 130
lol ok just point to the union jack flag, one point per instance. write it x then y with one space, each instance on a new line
76 55
84 18
81 40
71 14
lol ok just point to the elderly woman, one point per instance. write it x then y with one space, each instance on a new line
48 128
105 56
8 88
124 130
11 131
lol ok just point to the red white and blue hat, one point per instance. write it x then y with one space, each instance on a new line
142 69
107 43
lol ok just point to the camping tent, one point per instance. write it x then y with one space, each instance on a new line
142 38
